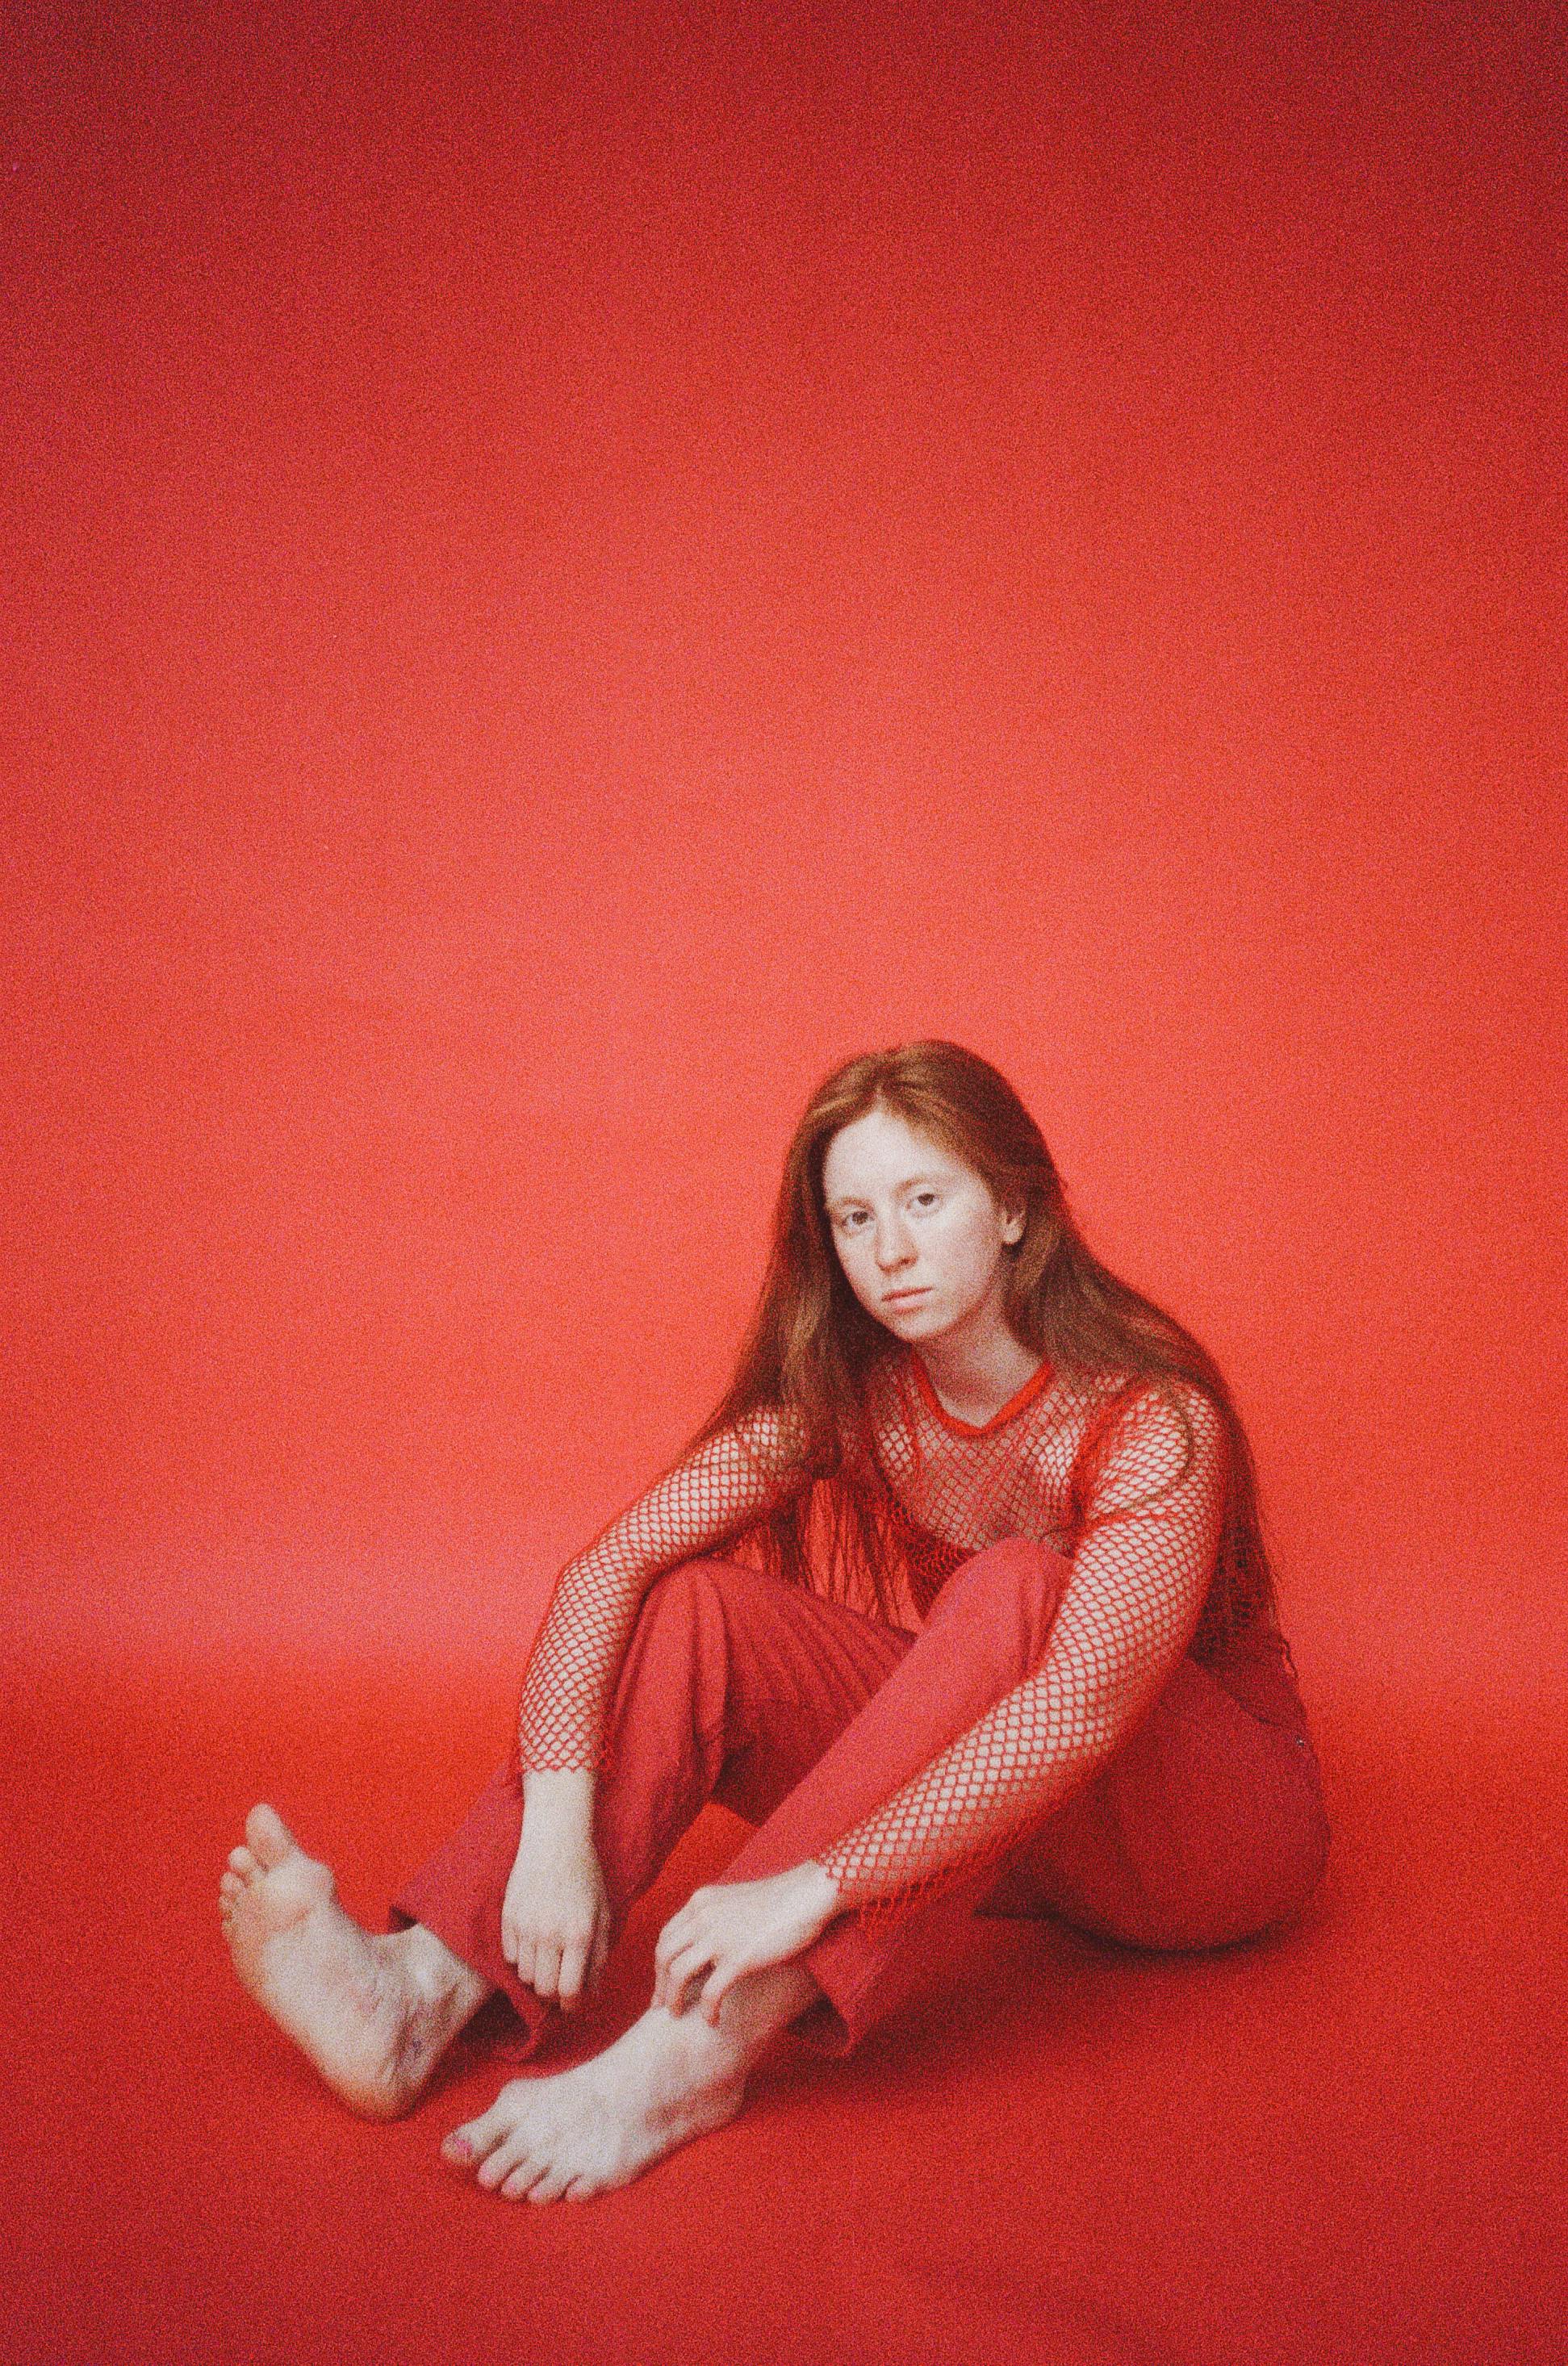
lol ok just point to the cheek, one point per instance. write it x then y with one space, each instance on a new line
973 1255
850 1257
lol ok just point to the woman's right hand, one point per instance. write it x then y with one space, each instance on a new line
555 1918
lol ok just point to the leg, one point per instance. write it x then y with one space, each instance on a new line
732 1685
793 1668
800 1715
668 2078
986 1631
372 2014
1207 1827
599 2125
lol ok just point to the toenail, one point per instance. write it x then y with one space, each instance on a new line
460 2148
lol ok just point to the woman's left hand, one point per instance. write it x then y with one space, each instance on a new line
729 1929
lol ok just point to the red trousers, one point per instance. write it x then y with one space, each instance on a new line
1206 1825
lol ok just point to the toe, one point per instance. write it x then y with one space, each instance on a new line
524 2180
268 1835
550 2187
468 2147
507 2160
477 2139
242 1863
230 1886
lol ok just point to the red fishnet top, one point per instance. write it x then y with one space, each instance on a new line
1127 1479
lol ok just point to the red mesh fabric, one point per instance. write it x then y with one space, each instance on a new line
706 1502
1128 1480
1139 1485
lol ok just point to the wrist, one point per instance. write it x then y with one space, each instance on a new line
559 1795
820 1886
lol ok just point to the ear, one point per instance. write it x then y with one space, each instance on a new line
1012 1226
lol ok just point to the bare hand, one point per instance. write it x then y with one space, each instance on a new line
729 1929
555 1920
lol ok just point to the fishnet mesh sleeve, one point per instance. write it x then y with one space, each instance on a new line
1128 1611
706 1500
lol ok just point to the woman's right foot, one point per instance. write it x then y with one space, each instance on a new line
372 2014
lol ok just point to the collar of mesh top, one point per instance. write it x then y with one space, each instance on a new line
1032 1388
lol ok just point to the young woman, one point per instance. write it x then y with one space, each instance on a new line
959 1597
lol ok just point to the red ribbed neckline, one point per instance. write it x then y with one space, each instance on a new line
1030 1391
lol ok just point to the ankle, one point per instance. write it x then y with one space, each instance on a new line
767 2002
439 1977
759 2008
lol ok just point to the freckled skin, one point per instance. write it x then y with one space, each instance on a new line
904 1213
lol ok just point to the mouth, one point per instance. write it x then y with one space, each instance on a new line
902 1297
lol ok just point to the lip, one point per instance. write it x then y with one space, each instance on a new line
900 1296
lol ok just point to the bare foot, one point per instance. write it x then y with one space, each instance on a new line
670 2078
373 2014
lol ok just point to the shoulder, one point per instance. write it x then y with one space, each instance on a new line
1167 1425
770 1437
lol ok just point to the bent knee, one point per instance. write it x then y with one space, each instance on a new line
1190 1893
1014 1585
1010 1563
691 1584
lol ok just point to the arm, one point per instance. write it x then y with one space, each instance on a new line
710 1497
555 1923
1126 1616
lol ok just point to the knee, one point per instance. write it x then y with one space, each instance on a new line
694 1592
1304 1845
678 1591
1013 1567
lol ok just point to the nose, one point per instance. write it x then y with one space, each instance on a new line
893 1244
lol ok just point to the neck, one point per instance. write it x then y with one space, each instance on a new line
975 1372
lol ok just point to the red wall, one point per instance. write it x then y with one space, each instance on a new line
570 569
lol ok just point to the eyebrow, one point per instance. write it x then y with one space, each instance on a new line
849 1200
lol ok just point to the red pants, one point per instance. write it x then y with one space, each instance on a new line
1205 1826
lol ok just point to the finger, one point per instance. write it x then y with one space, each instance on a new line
684 1972
571 1963
525 1962
672 1938
661 1975
715 1990
546 1968
601 1948
676 1973
509 1940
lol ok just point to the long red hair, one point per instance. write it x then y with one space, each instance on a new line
810 1342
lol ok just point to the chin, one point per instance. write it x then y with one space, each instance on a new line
914 1322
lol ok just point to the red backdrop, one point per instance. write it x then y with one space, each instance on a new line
568 574
565 570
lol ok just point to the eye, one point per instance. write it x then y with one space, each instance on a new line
931 1199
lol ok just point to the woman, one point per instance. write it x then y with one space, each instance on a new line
959 1597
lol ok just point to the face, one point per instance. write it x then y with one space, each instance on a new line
916 1231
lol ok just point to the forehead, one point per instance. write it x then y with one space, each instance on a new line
880 1150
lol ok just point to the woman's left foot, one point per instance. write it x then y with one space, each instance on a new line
671 2078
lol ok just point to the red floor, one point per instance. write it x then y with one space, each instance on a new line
1344 2143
